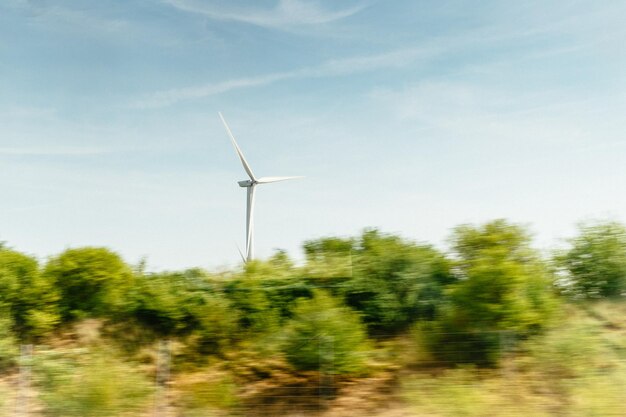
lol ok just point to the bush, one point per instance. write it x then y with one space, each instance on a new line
165 302
92 282
29 297
324 335
595 266
81 383
395 282
267 290
503 289
217 324
249 298
185 304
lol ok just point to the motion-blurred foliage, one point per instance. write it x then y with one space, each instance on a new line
92 282
324 335
208 395
503 289
30 299
89 383
492 283
390 281
595 265
8 342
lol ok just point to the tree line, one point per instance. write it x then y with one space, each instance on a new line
348 293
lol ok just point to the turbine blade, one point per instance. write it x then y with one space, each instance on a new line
243 258
241 157
267 180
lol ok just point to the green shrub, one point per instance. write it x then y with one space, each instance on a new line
184 304
165 302
217 324
595 265
249 297
324 335
503 289
31 299
81 383
92 282
395 282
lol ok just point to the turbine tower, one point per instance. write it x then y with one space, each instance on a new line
250 186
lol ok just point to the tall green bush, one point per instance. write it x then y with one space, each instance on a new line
92 282
325 335
164 302
503 291
249 297
29 298
595 265
273 286
395 281
185 304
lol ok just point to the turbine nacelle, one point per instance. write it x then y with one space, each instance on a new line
246 183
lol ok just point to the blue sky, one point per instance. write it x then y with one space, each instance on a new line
411 116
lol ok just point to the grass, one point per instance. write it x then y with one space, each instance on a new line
576 369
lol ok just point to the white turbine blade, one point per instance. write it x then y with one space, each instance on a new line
243 158
267 180
243 258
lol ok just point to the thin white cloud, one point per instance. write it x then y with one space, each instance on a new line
333 68
169 97
87 20
398 58
84 20
49 151
285 14
470 112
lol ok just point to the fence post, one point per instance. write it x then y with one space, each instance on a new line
21 398
162 378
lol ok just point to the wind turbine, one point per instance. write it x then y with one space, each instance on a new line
250 185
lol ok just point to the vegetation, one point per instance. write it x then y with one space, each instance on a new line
30 299
503 289
595 265
444 330
395 282
86 383
576 368
91 281
325 335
